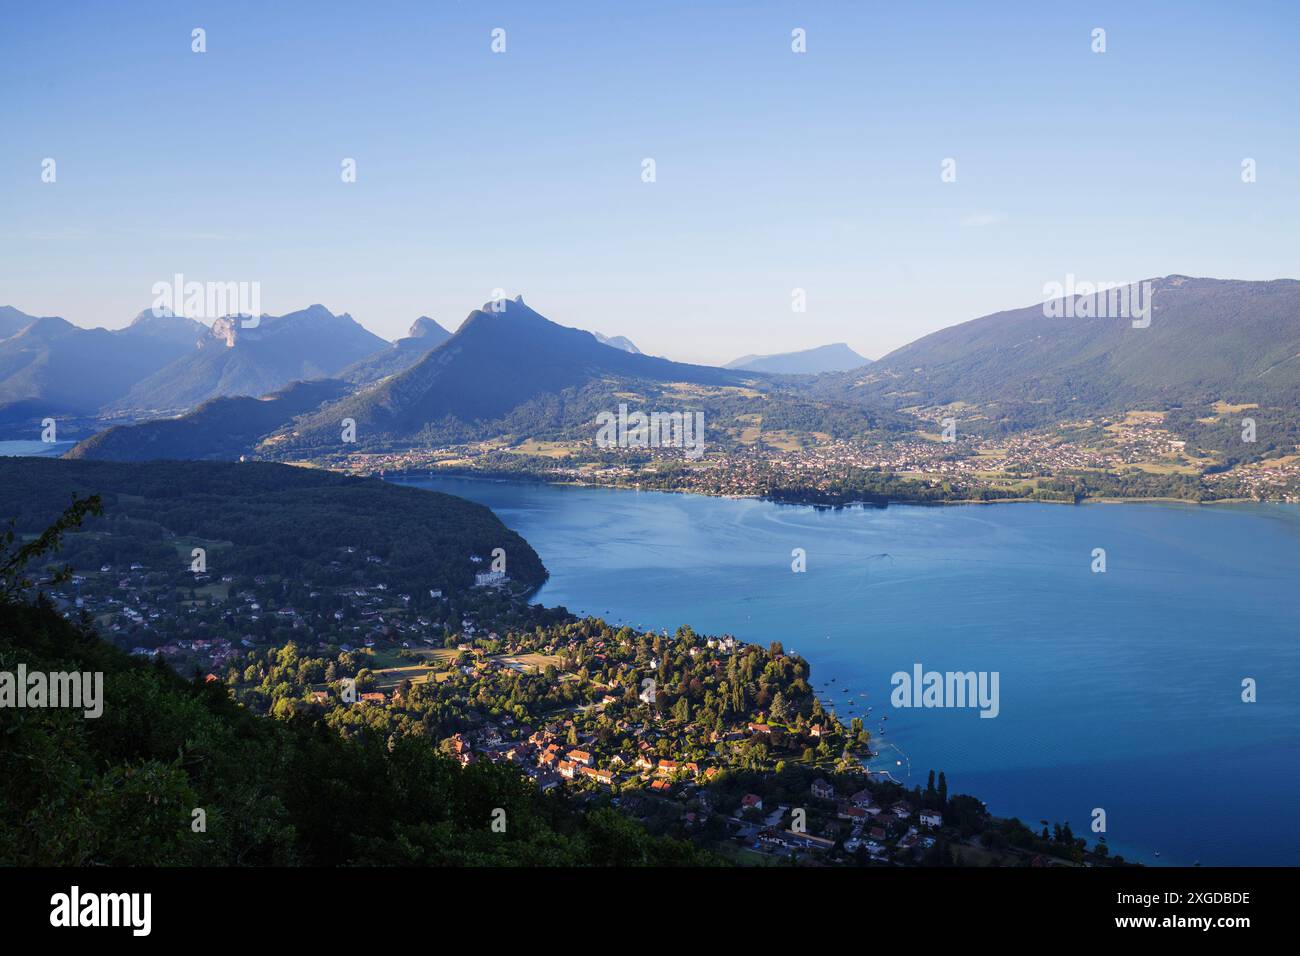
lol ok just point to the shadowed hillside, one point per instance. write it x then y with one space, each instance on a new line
494 364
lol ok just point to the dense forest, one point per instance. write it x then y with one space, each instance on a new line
277 520
220 428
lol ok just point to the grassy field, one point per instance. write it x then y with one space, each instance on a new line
689 390
783 440
1166 468
437 654
1223 408
1139 417
544 449
436 665
537 662
390 677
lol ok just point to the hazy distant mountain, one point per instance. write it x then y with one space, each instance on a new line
425 335
617 342
825 358
12 321
78 369
164 327
514 373
427 329
496 363
234 360
1208 339
219 428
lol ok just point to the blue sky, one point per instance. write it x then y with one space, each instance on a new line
522 170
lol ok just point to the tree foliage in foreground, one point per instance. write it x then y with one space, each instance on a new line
122 789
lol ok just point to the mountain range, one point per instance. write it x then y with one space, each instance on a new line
233 358
509 372
425 335
12 321
506 369
1207 340
166 364
78 370
825 358
505 360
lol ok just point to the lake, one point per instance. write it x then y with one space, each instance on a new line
21 448
1119 690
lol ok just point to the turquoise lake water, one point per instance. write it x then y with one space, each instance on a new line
1119 690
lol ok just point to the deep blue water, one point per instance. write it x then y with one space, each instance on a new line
1119 690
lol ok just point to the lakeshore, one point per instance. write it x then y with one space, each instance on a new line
1117 693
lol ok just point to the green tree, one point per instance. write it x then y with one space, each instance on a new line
14 561
780 710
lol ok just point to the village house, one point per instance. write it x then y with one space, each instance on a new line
822 790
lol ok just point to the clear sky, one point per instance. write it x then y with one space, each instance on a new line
522 170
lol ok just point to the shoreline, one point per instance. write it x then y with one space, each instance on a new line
532 479
1132 851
